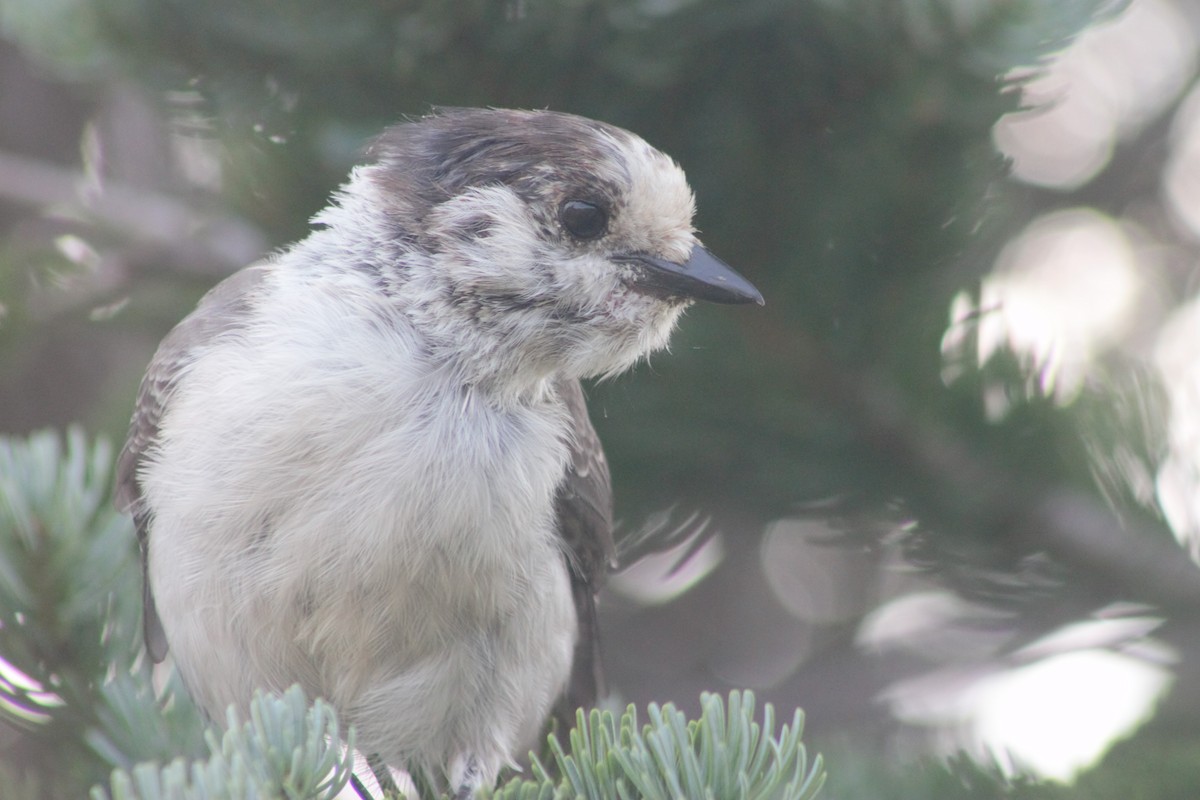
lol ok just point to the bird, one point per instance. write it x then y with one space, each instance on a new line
364 464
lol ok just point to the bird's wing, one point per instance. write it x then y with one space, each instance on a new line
225 307
584 515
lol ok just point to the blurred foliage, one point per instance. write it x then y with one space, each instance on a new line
842 158
960 778
1154 769
1144 768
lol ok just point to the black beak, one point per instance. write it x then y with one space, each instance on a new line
703 277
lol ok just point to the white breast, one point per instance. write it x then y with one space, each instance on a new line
331 509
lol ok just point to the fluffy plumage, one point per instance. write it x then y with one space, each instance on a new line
364 465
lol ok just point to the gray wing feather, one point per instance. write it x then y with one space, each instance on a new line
225 307
584 516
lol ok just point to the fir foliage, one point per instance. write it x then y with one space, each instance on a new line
287 750
725 755
72 680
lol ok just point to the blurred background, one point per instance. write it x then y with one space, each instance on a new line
945 486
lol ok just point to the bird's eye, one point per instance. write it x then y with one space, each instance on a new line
583 219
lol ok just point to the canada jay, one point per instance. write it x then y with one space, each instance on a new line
365 465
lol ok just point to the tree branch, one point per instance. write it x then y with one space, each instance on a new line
218 243
1079 530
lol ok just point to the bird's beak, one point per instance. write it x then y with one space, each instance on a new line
702 277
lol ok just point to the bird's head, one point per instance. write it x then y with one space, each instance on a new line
553 244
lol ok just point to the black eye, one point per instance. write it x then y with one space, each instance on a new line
583 220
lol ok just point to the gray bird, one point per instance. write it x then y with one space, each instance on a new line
365 464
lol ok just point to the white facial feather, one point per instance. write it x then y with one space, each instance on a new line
659 203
